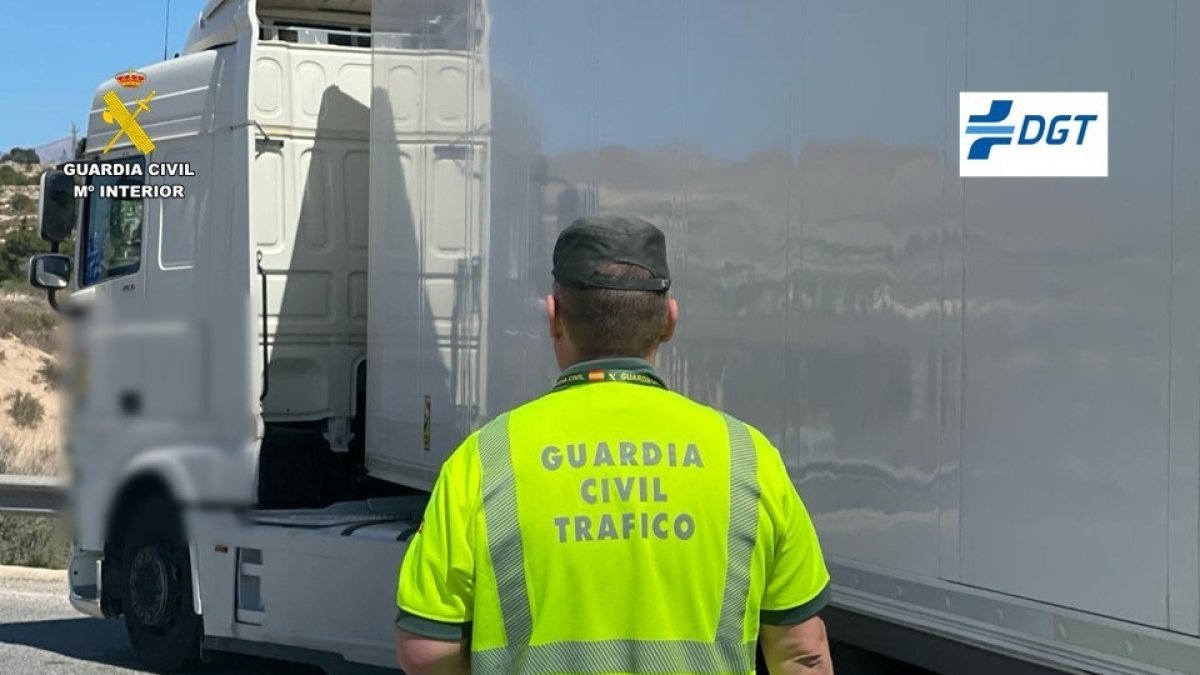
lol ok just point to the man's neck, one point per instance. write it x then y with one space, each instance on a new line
628 369
648 358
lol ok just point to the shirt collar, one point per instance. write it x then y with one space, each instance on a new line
618 369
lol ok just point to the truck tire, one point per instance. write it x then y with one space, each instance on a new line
156 588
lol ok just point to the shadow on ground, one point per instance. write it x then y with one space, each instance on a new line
105 642
83 639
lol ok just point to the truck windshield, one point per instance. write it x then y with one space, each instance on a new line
112 229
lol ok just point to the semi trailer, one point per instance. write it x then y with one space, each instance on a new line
987 389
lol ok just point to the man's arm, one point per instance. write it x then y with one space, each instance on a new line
419 655
435 588
800 649
792 634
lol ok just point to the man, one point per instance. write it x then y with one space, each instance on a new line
612 526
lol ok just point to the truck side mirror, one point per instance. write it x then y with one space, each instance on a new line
50 271
56 206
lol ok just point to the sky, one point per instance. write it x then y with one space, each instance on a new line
70 46
76 44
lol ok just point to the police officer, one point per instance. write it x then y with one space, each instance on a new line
612 525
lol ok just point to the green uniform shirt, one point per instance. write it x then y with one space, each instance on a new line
612 526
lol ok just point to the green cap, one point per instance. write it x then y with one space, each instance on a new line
591 242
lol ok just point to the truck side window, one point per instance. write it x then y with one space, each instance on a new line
112 229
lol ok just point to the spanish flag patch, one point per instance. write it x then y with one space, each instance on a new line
595 376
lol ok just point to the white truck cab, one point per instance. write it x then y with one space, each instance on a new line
987 389
219 339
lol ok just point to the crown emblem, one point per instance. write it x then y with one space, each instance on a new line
131 79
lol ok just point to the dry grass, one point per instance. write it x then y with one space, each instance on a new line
29 417
21 456
26 540
29 320
28 371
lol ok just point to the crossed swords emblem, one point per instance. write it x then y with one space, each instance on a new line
117 113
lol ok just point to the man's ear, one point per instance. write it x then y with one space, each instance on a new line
670 320
556 327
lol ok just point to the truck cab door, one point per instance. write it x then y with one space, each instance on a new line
108 300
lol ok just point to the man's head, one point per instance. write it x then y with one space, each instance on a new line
610 290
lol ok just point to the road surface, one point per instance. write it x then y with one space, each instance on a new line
41 633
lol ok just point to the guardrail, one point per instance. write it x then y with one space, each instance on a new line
32 495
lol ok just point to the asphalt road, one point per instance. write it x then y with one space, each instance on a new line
41 633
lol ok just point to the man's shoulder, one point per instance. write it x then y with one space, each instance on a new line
770 460
666 402
465 458
759 439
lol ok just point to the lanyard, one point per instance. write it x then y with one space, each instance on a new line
643 375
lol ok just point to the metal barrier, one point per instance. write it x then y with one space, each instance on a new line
32 495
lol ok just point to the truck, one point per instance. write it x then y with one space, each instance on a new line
987 390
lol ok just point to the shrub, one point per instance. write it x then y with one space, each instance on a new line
25 410
48 374
10 176
22 156
18 245
22 204
33 542
3 355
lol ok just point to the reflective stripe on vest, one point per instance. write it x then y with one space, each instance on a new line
727 653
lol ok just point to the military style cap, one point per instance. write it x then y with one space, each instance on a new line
591 242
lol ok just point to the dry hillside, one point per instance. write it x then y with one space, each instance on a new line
18 203
29 421
29 438
29 413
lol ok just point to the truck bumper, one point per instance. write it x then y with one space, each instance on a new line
84 579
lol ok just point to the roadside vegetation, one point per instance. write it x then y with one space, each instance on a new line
29 445
25 410
25 317
19 177
13 176
29 368
29 428
27 540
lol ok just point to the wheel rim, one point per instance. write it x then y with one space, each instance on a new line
154 587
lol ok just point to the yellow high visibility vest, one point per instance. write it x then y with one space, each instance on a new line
612 526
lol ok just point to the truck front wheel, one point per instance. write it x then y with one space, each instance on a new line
156 588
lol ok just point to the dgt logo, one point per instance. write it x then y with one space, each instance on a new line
1033 133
